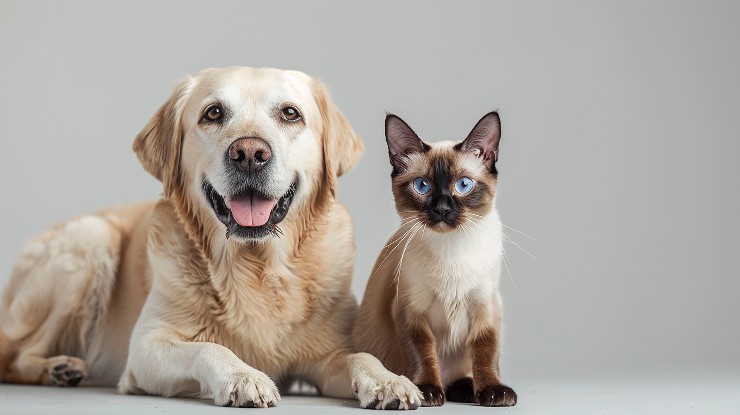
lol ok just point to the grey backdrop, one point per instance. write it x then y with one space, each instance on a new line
619 152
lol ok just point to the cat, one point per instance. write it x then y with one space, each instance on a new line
432 310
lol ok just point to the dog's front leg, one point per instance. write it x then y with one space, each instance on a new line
163 366
362 376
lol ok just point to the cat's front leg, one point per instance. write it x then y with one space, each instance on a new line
422 348
484 344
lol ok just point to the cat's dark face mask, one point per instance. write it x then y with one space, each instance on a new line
444 185
441 206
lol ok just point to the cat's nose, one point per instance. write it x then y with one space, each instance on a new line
442 208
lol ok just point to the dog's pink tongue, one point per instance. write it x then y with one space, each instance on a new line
251 209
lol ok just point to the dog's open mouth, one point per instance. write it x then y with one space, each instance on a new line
249 214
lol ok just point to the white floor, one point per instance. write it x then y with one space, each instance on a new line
654 396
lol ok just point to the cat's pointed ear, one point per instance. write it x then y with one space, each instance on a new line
483 140
402 141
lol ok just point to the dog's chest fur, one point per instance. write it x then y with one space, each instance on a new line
263 313
265 308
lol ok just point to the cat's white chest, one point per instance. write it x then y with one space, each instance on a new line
446 273
449 323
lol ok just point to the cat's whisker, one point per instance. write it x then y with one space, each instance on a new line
464 227
520 247
475 225
397 272
388 254
478 223
399 241
506 264
474 220
504 257
520 232
403 222
395 231
402 236
382 217
474 228
380 266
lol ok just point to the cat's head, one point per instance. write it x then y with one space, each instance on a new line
447 183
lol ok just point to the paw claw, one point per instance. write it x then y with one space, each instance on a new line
432 395
497 395
393 393
247 389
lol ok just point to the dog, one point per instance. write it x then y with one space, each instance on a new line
237 278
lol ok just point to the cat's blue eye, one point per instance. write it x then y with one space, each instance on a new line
464 185
422 186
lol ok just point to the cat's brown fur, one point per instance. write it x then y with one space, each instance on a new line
432 310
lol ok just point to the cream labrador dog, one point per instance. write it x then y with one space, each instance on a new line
238 277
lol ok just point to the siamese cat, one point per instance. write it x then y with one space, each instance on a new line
432 310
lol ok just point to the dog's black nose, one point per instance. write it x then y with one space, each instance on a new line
250 154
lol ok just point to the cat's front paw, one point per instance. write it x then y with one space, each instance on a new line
246 389
496 395
433 395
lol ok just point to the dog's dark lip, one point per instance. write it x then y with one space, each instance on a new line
223 213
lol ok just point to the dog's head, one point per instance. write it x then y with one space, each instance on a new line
250 144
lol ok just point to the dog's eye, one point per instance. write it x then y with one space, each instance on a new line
290 114
213 113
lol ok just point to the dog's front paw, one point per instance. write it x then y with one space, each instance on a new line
388 392
247 389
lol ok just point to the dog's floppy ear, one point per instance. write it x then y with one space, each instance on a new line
159 144
342 145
